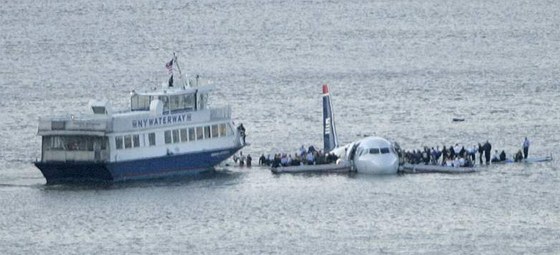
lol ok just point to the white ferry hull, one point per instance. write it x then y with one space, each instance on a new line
160 167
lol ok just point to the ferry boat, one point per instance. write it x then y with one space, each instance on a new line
166 132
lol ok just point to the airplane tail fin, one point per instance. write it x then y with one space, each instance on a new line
330 139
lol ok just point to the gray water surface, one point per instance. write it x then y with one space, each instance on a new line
398 69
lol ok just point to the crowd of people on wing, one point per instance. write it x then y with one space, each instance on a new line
461 156
454 156
309 156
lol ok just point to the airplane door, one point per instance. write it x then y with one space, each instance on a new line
353 151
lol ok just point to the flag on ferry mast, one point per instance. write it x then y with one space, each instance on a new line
169 66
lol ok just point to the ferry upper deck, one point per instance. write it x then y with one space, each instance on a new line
156 120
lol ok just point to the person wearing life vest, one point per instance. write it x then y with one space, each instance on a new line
487 150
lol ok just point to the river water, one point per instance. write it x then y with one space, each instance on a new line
398 69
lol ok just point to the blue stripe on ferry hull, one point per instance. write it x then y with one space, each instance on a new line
166 166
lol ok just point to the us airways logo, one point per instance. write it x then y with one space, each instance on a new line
327 126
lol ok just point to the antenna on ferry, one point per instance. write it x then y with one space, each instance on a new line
176 62
186 81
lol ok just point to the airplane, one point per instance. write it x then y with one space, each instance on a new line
372 155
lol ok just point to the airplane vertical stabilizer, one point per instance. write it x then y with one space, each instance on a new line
329 131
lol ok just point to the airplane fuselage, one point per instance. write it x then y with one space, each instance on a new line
371 155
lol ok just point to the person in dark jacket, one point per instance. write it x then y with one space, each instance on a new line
262 160
487 151
480 151
452 153
462 152
444 155
503 156
249 159
519 156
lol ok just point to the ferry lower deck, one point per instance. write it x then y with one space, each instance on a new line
159 167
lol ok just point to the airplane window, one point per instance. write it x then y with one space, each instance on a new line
384 150
374 151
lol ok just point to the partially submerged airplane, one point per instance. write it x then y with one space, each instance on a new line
370 155
373 155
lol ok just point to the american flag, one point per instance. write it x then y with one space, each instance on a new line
169 66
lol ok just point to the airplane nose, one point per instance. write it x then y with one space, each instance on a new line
385 166
377 164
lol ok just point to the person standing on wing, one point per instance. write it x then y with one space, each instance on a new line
487 150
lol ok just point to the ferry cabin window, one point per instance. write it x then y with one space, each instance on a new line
127 141
167 136
74 143
140 103
136 140
104 143
119 142
215 130
188 102
384 150
175 133
152 139
184 136
199 133
99 110
191 134
223 129
176 103
54 143
207 132
80 143
374 151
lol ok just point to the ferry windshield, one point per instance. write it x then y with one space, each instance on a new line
173 103
181 103
140 103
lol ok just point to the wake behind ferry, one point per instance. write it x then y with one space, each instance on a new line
167 132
